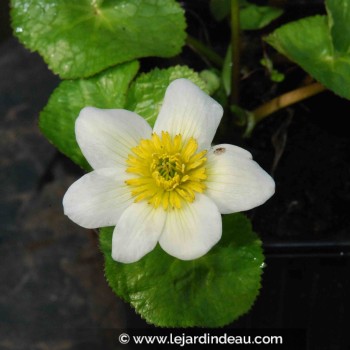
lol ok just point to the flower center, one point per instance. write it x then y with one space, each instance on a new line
165 165
167 171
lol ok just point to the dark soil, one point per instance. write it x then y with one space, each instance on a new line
312 175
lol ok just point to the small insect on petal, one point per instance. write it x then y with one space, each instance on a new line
220 150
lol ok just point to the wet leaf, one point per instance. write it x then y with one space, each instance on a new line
80 38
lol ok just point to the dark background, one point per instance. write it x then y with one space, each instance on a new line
53 294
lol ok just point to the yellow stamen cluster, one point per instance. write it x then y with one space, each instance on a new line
168 171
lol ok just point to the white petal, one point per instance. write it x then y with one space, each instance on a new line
235 182
191 231
188 111
137 232
105 136
98 198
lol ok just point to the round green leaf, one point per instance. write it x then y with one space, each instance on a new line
308 42
146 93
105 90
211 291
80 38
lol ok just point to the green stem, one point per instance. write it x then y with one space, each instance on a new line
235 47
204 51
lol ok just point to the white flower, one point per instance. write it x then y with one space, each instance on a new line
167 185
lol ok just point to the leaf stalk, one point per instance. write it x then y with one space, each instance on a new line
204 51
286 100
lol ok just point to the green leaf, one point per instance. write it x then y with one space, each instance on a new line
308 43
211 291
147 92
105 90
81 38
251 16
339 19
256 17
